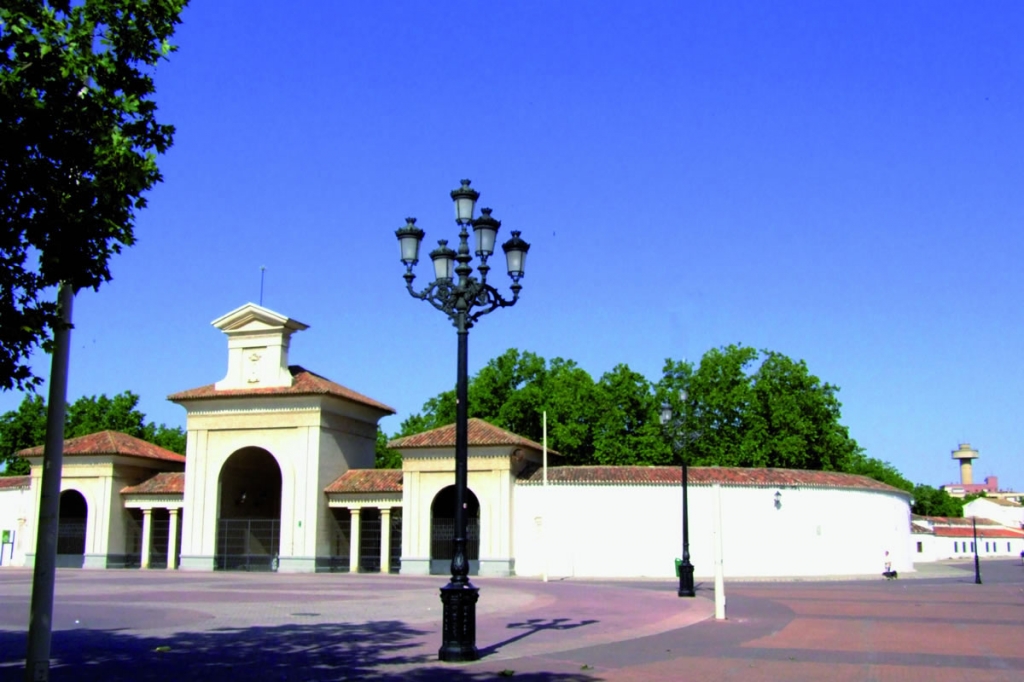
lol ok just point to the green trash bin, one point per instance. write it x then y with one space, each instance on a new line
679 562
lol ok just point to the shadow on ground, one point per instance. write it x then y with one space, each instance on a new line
380 651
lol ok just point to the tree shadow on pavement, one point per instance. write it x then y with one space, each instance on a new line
379 651
533 626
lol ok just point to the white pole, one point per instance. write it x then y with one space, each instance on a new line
719 571
543 535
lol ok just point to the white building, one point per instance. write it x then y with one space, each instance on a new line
278 476
1005 512
936 538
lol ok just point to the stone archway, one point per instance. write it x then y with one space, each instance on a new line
249 512
442 531
71 525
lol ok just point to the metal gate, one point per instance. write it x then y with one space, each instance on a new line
442 539
70 544
247 544
396 540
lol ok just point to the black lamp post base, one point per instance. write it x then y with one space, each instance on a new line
458 631
686 587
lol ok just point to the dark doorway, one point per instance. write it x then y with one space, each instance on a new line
74 514
442 531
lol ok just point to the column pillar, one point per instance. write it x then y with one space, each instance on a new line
385 540
172 540
147 536
353 552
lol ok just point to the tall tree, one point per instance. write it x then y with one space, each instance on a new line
26 426
80 137
20 429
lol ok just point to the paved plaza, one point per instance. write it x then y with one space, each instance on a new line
153 625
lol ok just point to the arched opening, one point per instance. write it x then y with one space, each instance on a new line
74 513
442 531
249 515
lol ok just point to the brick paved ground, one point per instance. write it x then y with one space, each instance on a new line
153 625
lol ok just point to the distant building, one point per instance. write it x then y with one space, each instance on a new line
935 538
965 454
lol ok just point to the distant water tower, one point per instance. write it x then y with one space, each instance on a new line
965 454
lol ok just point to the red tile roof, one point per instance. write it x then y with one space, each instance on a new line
736 476
479 432
367 481
305 383
110 443
13 482
983 532
166 483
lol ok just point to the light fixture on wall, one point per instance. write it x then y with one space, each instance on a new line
778 499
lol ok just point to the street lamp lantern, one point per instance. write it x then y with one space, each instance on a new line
486 230
465 200
680 439
464 298
444 261
409 238
515 253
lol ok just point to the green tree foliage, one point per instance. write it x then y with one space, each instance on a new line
758 409
80 137
385 457
743 408
20 429
26 426
929 501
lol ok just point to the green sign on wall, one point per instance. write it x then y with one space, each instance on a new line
6 537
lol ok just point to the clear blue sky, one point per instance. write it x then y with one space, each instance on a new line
840 182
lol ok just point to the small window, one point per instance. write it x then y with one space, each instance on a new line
972 546
986 546
920 547
956 548
1008 547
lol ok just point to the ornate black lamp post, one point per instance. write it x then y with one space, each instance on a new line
464 299
680 439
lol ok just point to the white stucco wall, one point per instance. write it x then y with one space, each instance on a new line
15 507
981 508
636 530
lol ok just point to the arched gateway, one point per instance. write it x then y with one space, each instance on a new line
442 531
249 516
73 520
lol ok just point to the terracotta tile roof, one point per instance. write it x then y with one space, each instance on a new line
983 532
305 383
954 520
110 443
479 432
166 483
14 482
367 481
665 475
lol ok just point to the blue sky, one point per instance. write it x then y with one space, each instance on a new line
840 182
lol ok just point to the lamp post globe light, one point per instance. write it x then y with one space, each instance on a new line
680 439
464 298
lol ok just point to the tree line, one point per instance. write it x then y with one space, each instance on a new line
743 408
26 427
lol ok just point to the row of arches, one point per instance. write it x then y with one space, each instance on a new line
249 521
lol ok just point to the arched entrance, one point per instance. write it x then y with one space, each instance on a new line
249 516
74 513
442 531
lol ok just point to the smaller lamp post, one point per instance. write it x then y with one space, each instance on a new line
977 565
682 436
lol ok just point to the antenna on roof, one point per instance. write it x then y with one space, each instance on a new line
263 269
